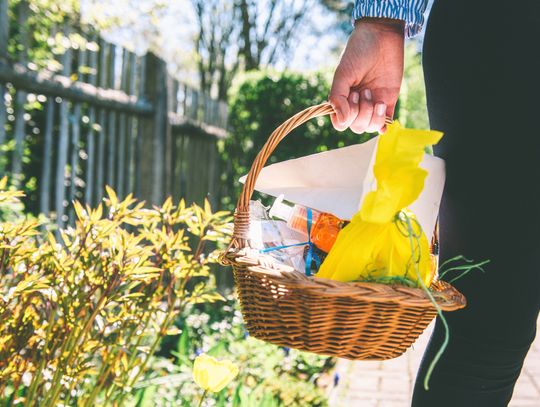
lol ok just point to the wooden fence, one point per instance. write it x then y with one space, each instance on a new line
108 117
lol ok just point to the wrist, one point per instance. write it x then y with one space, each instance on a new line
382 24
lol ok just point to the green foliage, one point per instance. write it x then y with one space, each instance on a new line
81 320
11 208
269 375
45 18
412 100
262 102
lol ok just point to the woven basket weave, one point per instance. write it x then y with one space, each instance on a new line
349 320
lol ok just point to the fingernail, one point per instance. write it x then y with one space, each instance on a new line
380 109
355 96
367 94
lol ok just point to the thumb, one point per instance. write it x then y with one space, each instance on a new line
339 99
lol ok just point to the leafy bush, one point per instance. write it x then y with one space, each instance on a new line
269 375
80 321
412 111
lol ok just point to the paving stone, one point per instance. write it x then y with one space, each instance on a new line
524 403
389 383
365 383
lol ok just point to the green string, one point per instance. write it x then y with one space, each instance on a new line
444 345
465 269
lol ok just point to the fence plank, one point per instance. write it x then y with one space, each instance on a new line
19 134
90 136
137 187
121 159
168 142
4 35
111 129
20 98
111 149
4 28
178 171
100 169
122 119
45 184
2 124
74 162
75 140
131 125
213 160
63 145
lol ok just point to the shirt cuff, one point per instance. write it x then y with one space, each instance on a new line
412 12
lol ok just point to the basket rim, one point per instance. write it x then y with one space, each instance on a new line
448 298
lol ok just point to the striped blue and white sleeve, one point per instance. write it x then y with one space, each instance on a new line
411 11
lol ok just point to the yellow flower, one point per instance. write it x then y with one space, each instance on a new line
375 244
212 374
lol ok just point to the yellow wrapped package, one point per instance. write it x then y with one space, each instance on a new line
376 244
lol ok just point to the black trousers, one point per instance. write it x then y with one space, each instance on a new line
482 72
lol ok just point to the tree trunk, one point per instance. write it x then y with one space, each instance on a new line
246 51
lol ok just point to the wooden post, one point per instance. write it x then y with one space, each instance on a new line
154 131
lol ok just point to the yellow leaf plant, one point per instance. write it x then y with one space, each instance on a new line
83 311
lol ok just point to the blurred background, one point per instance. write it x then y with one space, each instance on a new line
165 98
158 99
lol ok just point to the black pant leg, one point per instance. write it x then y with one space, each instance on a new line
483 81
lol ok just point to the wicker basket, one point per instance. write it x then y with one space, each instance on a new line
349 320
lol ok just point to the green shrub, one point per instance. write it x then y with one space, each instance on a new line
412 99
80 321
269 376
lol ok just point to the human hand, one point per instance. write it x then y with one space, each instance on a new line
367 80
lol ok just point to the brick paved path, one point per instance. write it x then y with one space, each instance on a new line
389 383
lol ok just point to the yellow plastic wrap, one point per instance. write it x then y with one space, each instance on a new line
376 245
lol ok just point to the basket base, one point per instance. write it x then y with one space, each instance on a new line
356 321
351 343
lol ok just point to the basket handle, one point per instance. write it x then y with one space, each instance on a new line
241 215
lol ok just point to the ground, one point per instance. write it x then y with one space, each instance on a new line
390 383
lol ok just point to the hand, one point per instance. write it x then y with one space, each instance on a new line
366 83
